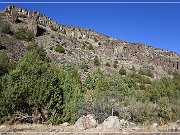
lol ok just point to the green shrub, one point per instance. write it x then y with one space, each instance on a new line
142 86
12 65
24 91
6 28
144 80
59 48
99 43
24 34
104 105
141 104
39 50
84 66
29 35
122 71
107 64
115 65
133 69
53 28
96 61
72 91
164 110
146 72
95 83
90 47
141 112
35 87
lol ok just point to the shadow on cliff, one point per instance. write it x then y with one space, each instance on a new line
40 31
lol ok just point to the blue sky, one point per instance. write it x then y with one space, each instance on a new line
157 25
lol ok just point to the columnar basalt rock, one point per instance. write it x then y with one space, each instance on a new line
32 24
46 21
13 13
76 41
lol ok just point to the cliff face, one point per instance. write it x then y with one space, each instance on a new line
83 45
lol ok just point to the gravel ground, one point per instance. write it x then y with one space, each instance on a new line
29 129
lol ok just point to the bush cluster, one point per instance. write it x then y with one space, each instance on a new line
122 71
53 28
56 93
157 102
84 65
24 34
6 65
20 33
6 29
35 87
90 47
107 64
115 65
147 72
99 43
96 61
59 48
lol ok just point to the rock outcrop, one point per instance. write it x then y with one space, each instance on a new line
13 14
77 42
33 25
174 128
86 122
111 122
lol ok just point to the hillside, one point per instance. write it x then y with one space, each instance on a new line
56 74
83 45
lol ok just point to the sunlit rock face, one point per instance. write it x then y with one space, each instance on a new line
77 42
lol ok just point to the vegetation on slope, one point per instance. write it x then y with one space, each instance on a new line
21 33
6 29
38 88
157 102
59 48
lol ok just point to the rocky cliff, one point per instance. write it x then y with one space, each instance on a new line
83 45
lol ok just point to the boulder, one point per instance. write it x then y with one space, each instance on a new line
86 122
174 128
111 122
154 125
2 126
65 124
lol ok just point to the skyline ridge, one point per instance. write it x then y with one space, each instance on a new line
104 30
